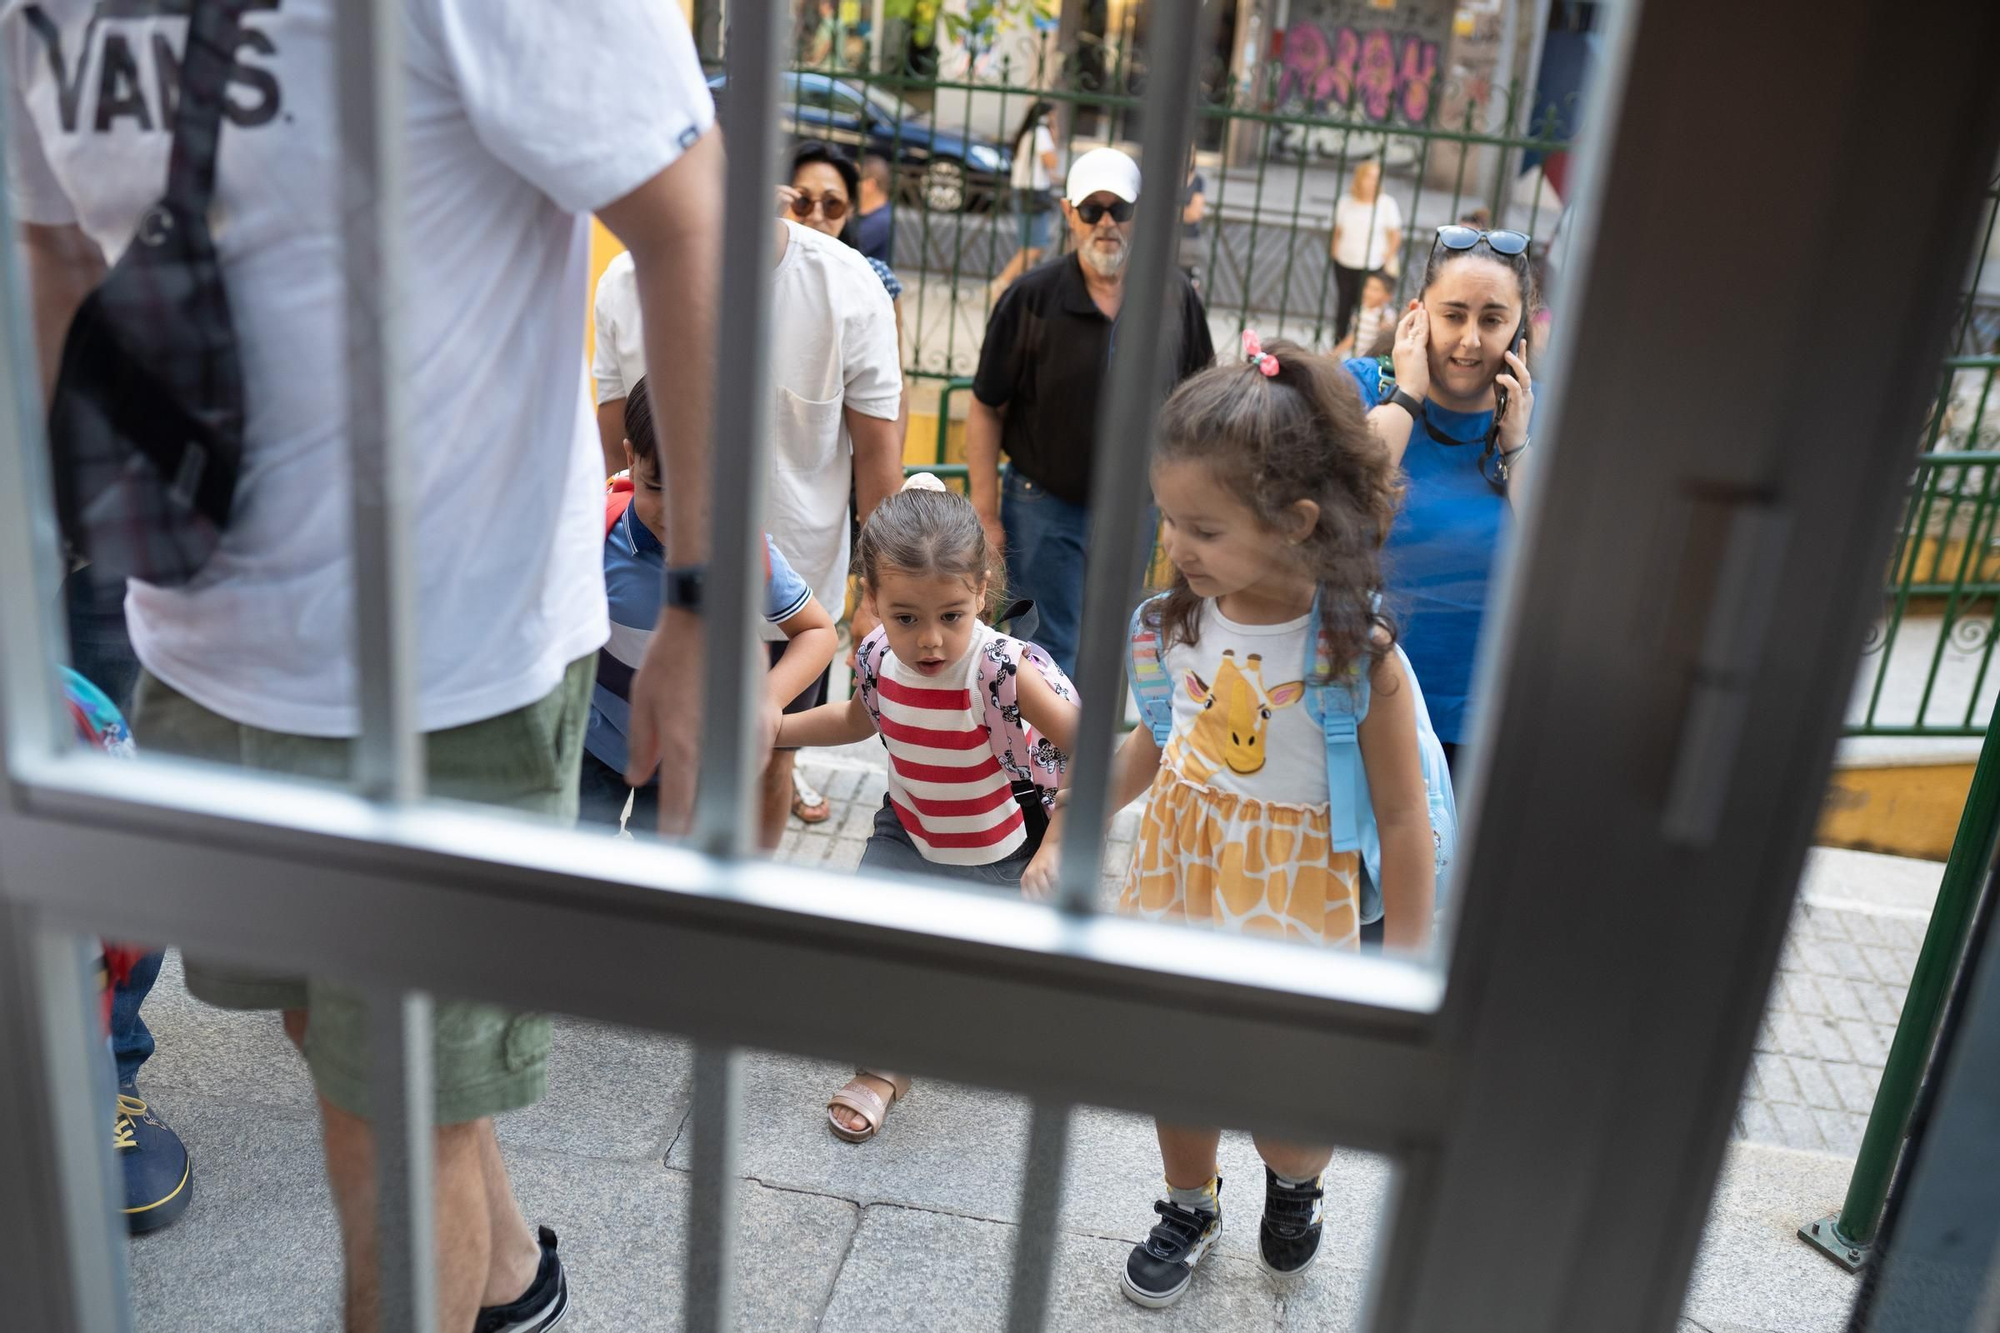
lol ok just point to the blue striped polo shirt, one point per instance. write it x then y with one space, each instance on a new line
633 559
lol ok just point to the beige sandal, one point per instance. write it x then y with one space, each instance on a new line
865 1102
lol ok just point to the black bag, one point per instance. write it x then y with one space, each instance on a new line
146 421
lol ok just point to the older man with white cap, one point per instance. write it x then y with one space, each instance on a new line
1048 345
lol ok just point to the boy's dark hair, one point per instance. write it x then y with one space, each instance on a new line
1273 441
639 423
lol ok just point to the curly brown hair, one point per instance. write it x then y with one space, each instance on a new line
1273 441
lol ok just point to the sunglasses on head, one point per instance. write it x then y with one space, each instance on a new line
1091 211
831 206
1454 236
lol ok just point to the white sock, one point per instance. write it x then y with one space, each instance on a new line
1203 1198
1291 1184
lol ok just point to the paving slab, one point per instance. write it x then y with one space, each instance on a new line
257 1248
960 1149
1752 1271
924 1272
624 1229
613 1092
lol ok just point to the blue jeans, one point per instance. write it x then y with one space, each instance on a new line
1045 543
131 1040
101 652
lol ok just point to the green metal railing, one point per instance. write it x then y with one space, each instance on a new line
1847 1236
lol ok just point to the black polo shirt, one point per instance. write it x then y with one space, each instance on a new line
1046 358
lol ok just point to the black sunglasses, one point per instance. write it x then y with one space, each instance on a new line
1091 211
1453 236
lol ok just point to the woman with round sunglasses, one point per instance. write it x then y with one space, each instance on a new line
1453 402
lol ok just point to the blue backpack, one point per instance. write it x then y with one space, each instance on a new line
1338 706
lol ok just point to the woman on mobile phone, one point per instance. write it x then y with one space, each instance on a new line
1453 402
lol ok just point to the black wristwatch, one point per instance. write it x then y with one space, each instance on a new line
1410 403
684 586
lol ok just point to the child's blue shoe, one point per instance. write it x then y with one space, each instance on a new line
159 1177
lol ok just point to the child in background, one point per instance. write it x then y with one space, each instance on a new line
634 556
978 725
1276 498
1372 320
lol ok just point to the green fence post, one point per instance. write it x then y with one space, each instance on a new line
1846 1236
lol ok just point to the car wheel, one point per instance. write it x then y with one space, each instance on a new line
944 185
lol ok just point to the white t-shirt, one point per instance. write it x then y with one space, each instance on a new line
520 118
1364 230
833 346
1239 709
618 357
1030 171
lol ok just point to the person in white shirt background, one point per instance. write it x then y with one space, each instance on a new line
1367 235
618 354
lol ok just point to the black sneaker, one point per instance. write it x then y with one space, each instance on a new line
159 1178
542 1306
1160 1269
1288 1240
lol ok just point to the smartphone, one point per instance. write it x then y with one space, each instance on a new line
1500 390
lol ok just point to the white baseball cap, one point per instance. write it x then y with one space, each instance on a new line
1104 169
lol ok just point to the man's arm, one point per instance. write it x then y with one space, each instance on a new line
878 474
611 434
64 265
673 226
982 467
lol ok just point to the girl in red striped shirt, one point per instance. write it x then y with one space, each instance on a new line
978 725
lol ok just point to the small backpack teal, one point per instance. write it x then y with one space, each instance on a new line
1338 706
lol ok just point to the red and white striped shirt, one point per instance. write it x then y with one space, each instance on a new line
952 796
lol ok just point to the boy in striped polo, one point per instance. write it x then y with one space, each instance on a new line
634 556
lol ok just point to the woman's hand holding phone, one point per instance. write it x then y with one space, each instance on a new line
1518 401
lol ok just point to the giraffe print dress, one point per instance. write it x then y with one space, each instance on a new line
1235 830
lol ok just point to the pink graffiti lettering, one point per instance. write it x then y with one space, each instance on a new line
1335 70
1418 67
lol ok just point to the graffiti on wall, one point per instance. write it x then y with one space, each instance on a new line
1376 74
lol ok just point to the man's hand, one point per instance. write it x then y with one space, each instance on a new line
667 716
859 626
996 535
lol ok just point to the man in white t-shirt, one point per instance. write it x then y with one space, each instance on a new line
618 354
520 119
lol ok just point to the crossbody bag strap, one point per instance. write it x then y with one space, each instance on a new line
213 30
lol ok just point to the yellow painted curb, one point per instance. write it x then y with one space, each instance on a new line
1903 810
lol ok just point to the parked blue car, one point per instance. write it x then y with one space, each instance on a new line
945 170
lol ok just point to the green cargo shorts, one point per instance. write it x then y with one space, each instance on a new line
487 1059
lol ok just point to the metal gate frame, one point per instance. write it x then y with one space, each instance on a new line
1668 676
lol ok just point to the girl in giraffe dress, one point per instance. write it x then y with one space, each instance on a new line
1276 499
977 724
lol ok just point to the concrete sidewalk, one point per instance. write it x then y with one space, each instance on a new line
915 1231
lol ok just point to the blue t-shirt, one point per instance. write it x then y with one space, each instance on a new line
875 234
633 559
1440 555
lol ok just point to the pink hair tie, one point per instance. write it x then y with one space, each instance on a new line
1253 352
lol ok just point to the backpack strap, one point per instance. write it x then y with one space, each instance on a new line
617 499
1024 753
867 668
1148 675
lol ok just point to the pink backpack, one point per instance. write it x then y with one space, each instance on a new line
1030 759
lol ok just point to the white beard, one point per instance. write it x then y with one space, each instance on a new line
1103 265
